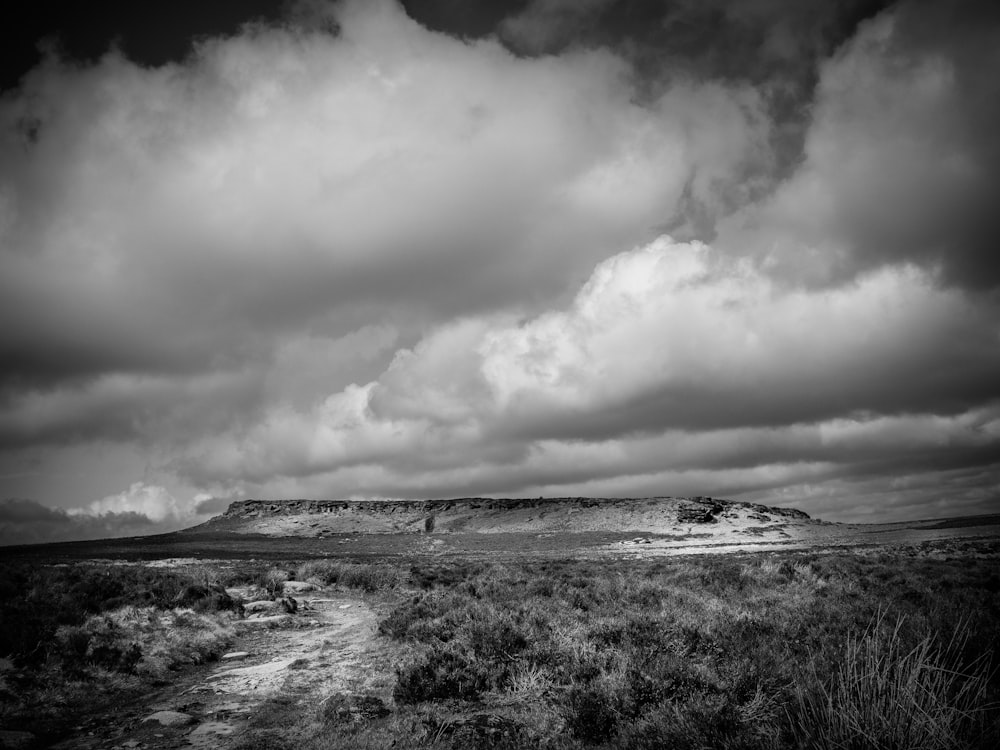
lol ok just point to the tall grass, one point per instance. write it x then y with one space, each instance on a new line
887 694
362 576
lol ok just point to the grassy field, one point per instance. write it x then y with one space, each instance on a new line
831 650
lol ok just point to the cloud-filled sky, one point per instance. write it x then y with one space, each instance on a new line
544 247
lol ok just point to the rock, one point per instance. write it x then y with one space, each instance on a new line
264 621
11 740
339 709
207 735
298 587
170 718
235 655
263 605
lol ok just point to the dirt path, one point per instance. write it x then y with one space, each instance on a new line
328 646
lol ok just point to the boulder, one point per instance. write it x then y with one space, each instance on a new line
235 656
263 605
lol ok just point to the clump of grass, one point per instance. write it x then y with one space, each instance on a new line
887 694
141 640
362 576
273 581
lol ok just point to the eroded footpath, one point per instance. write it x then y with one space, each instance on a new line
327 647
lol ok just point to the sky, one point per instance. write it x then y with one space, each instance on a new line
538 248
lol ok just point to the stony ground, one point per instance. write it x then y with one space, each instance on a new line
327 646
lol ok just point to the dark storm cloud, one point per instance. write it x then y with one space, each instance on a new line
841 81
900 162
149 34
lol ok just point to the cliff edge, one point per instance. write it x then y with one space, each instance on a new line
656 515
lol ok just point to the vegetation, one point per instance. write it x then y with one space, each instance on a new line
368 577
85 634
742 652
834 651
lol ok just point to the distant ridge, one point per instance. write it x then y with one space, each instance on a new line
483 515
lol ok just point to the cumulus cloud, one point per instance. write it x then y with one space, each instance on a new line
900 159
170 233
669 359
345 254
151 501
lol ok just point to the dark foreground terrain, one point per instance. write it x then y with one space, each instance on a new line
377 646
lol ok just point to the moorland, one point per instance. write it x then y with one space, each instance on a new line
532 639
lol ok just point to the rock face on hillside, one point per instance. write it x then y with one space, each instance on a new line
661 515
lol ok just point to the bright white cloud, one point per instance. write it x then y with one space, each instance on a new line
151 501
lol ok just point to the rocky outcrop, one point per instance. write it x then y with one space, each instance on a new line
302 517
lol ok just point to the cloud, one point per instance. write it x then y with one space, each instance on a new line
900 159
167 231
210 505
151 501
141 509
606 247
672 362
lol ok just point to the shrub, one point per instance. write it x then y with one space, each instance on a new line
442 674
592 713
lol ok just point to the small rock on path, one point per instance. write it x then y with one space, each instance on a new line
170 718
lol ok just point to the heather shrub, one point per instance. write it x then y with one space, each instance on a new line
442 674
702 653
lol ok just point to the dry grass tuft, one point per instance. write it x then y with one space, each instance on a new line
887 694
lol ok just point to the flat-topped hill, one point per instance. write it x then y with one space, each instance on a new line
651 515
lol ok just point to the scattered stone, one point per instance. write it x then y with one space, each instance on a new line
257 670
340 709
298 587
208 734
131 743
11 740
265 621
235 656
170 718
